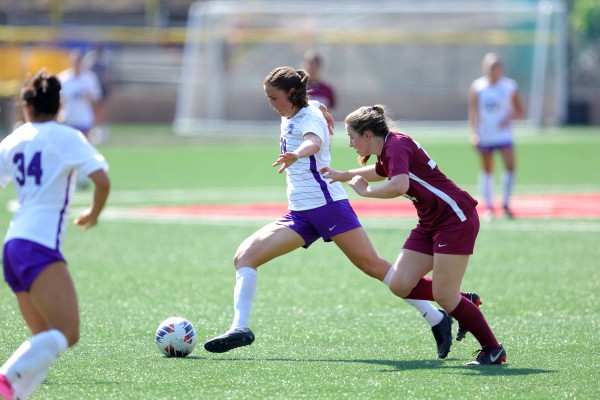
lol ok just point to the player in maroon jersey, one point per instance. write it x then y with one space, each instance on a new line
317 89
444 237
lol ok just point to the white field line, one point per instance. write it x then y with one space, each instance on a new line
528 225
268 194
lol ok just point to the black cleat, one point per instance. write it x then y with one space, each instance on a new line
230 340
442 333
508 213
462 331
489 357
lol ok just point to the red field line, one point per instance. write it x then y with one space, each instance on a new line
585 205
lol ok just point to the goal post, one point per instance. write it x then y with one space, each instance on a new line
417 57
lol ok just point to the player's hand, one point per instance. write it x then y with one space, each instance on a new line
335 176
86 219
328 118
285 160
359 184
475 139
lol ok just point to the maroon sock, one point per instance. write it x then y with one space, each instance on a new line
471 318
423 290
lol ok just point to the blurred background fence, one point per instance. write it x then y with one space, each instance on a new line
144 42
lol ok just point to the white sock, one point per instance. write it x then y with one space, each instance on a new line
246 281
25 387
388 276
35 355
432 315
508 182
486 187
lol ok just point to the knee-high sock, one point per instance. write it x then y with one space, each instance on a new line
471 318
246 281
432 315
34 355
423 290
508 183
26 386
486 188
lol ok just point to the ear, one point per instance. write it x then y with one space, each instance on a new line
368 134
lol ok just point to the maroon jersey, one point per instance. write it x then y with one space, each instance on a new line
438 200
321 92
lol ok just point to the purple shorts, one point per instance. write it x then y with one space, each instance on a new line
490 149
24 260
326 221
457 238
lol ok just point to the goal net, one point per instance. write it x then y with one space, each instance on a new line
416 57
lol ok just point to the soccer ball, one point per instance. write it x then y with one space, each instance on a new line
176 337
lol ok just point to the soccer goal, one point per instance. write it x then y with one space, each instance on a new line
416 57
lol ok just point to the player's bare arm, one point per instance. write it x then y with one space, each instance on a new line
367 172
394 187
311 145
89 217
473 117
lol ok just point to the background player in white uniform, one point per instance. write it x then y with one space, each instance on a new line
317 209
494 102
80 92
41 158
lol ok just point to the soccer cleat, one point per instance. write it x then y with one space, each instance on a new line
442 333
462 331
489 357
230 340
6 390
508 213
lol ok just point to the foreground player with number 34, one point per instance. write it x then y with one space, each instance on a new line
42 158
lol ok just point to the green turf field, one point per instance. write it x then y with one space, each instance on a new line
324 330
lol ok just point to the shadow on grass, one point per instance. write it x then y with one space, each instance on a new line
408 365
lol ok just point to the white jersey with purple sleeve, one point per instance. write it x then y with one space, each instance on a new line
42 160
78 92
306 187
494 104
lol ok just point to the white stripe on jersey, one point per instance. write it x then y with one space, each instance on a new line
449 200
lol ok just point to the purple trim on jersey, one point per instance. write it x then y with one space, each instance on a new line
317 176
62 212
24 260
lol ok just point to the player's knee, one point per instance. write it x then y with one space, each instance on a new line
444 298
399 288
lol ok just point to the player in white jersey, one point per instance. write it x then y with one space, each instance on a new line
494 102
317 209
41 158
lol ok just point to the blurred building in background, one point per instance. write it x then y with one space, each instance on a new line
145 41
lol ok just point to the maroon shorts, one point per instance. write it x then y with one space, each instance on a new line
24 260
322 222
457 238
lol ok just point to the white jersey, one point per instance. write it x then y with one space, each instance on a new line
77 94
306 187
494 103
42 159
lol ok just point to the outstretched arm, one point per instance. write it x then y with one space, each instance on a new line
394 187
368 173
89 217
311 144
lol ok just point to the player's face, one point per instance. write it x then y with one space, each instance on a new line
279 101
358 142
